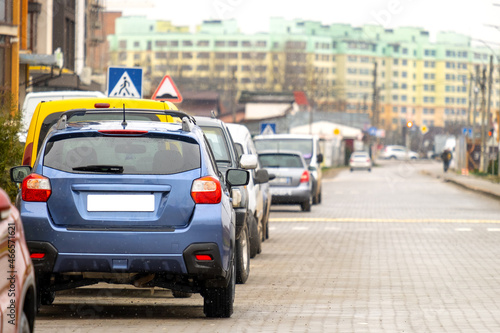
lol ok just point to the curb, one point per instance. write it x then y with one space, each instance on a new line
463 185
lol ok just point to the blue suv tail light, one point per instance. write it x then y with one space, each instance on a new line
206 190
36 188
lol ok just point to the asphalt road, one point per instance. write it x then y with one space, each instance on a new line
388 251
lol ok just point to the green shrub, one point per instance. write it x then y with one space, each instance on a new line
11 150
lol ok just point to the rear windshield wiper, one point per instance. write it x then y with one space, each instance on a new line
100 168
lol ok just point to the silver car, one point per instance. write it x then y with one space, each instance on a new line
360 160
292 183
398 153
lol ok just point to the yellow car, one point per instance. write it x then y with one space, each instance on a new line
47 114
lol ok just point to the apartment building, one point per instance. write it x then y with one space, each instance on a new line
417 78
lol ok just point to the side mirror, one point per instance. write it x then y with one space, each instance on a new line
248 161
272 176
18 173
261 176
237 177
319 158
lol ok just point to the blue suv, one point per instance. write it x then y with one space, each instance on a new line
137 202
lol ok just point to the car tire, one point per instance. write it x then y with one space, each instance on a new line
24 324
352 169
243 256
181 294
218 302
46 296
369 169
306 206
255 236
267 229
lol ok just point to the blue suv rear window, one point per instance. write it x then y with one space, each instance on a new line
143 155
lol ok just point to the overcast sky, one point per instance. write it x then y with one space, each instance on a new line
465 16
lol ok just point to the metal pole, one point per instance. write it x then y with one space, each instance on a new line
483 117
487 148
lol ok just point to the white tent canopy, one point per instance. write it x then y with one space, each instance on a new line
327 130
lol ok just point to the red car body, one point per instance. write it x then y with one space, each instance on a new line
17 274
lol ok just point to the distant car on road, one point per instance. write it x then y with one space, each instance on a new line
292 183
360 160
395 152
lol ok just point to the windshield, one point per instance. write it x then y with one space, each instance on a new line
305 146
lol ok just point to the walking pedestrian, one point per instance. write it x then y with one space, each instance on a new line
446 156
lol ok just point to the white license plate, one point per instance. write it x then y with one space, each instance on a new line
120 203
281 180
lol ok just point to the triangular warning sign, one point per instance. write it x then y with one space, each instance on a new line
125 88
167 91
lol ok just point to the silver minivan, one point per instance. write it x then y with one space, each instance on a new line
308 145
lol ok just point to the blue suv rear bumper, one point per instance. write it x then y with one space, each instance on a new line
145 251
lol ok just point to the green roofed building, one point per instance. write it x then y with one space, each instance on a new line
417 78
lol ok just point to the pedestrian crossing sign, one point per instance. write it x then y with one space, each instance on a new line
125 82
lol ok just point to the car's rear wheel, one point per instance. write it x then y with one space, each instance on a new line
306 206
242 256
218 302
255 235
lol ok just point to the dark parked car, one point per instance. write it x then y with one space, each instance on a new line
137 202
292 183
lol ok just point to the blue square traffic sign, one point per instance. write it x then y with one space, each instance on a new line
125 82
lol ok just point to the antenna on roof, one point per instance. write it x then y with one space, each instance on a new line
124 122
212 113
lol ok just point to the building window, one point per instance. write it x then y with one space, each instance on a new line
187 55
173 55
6 11
161 55
187 43
261 43
174 43
232 43
203 55
186 68
203 43
219 68
122 44
136 44
5 62
220 43
202 68
161 43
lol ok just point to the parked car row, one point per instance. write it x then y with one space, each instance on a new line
128 194
136 192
